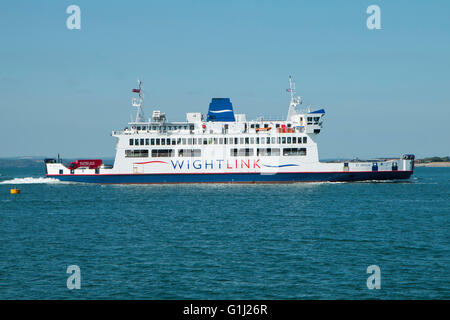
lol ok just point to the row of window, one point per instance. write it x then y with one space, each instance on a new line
136 153
164 128
167 153
266 125
234 152
204 141
191 127
247 152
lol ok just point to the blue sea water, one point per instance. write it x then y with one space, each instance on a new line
230 241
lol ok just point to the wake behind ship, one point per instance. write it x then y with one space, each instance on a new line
224 147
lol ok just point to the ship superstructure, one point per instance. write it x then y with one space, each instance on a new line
223 146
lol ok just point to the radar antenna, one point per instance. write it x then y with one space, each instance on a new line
295 100
138 103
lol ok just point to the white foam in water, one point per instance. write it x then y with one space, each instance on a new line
30 180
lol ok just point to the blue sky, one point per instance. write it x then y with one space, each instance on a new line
386 92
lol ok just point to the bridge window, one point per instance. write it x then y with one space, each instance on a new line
142 142
158 141
304 140
131 142
147 142
294 139
136 142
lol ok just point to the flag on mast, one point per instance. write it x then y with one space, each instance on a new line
136 90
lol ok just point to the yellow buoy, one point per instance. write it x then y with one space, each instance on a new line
15 191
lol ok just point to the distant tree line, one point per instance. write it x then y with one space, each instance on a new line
434 159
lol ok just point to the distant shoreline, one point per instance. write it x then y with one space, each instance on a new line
433 164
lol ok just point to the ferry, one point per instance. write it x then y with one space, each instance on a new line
224 147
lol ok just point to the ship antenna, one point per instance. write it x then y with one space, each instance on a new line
294 100
138 104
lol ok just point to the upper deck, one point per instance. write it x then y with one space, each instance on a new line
310 123
222 120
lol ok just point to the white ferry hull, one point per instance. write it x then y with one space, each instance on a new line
361 171
288 177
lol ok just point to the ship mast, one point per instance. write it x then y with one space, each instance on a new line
294 100
138 103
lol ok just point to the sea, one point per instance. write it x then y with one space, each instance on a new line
361 240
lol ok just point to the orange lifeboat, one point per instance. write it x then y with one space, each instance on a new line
263 129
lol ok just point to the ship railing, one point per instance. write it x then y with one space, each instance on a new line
271 118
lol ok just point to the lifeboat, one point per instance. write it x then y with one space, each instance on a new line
263 129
